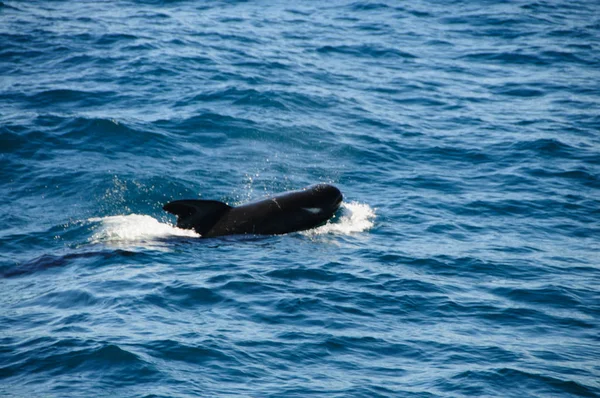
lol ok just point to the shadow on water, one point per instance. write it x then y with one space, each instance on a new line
48 261
112 251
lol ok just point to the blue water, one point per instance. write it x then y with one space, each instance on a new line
465 137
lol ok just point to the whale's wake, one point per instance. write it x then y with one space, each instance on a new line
134 228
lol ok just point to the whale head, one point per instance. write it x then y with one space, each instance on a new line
326 198
308 208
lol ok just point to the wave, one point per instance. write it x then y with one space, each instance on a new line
49 355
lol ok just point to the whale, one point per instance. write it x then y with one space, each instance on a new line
281 214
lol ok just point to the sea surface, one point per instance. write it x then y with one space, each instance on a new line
464 135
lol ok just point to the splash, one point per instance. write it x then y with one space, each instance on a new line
355 217
134 228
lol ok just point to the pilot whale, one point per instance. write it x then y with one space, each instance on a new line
287 212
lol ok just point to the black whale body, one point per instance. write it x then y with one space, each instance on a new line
286 212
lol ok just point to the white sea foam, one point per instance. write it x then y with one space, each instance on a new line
355 217
134 229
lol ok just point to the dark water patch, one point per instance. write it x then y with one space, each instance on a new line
458 154
374 150
158 72
503 377
551 147
67 96
521 92
380 29
230 19
433 183
514 318
12 138
409 305
75 319
578 229
208 122
467 354
420 13
77 61
182 295
583 176
550 296
243 39
443 228
48 261
474 268
519 208
249 287
243 97
368 346
369 122
507 58
139 47
296 11
441 43
368 6
66 299
581 46
198 61
366 51
170 350
110 39
568 57
351 311
11 57
66 356
483 20
300 305
262 66
300 274
423 101
302 350
574 33
105 135
222 76
409 285
565 358
516 250
379 391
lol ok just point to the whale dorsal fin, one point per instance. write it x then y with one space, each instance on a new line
200 215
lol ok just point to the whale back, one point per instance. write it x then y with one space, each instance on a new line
283 213
200 215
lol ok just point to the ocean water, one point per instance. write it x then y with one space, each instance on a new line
465 137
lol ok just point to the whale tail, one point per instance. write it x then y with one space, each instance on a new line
200 215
